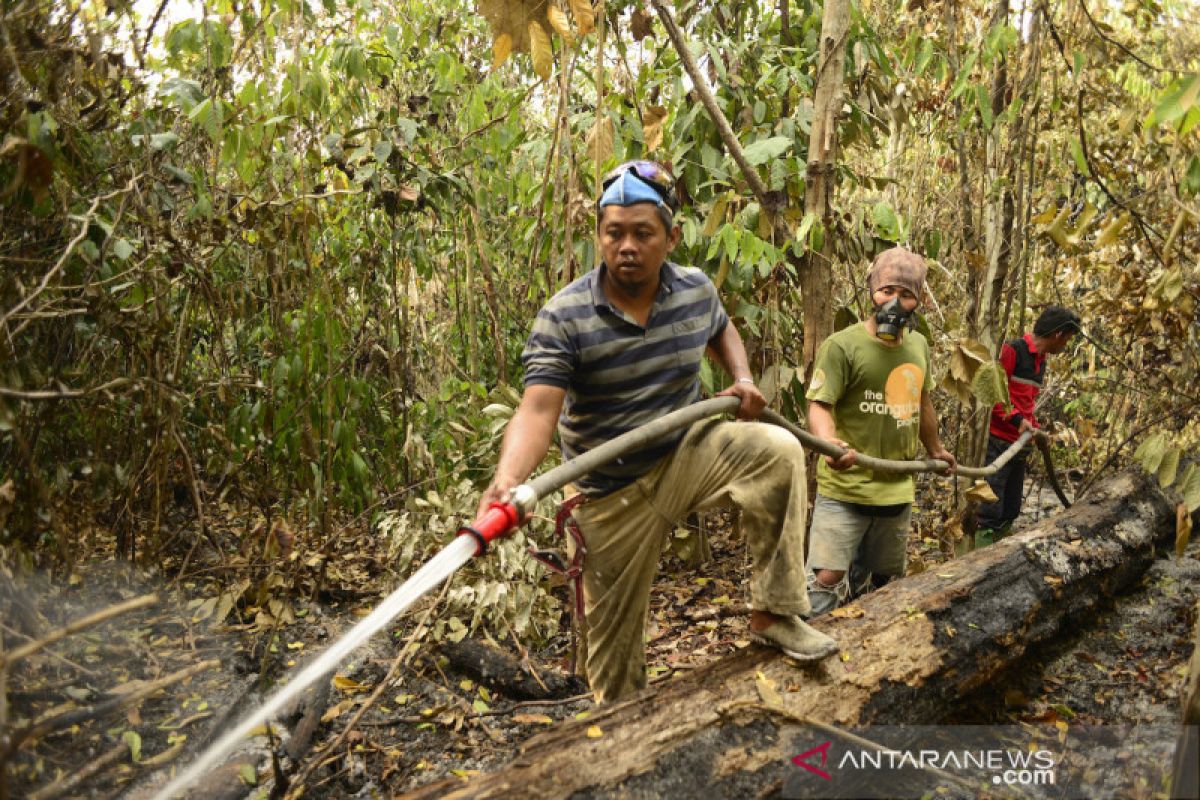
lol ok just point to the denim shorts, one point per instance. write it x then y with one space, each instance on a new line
841 535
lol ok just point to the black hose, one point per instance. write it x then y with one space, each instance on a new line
1052 474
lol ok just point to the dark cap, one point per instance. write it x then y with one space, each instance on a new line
1056 319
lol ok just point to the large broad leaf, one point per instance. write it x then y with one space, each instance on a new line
1168 467
585 17
763 150
1151 451
1177 101
652 127
1189 487
990 385
887 225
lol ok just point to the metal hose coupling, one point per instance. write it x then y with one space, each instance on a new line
524 498
501 518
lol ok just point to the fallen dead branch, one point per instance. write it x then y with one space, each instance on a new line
66 719
61 788
26 650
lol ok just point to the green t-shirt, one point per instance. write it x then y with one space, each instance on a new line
875 393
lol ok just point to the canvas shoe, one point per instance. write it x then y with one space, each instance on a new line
797 639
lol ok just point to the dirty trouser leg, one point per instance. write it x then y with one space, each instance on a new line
624 538
758 468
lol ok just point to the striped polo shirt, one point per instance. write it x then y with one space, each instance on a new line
618 375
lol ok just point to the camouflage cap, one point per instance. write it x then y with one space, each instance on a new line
897 267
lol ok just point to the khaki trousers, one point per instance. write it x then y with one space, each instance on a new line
752 466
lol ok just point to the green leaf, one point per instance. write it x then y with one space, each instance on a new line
178 174
886 223
383 149
1190 185
1151 451
1176 102
983 102
933 243
990 384
248 774
163 141
844 317
122 249
134 741
1189 487
925 55
1077 153
764 150
1168 467
730 241
207 115
806 225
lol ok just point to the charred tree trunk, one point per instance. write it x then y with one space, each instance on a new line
909 653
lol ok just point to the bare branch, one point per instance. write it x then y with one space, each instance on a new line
62 394
78 625
85 223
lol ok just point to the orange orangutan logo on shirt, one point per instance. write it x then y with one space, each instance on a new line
902 392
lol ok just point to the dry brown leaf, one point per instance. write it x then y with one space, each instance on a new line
502 46
1053 580
559 22
600 140
335 711
529 719
981 493
767 691
1183 529
652 127
847 612
349 685
540 49
641 24
585 17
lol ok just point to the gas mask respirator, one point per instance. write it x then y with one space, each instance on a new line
891 319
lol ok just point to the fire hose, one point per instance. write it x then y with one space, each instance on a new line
499 520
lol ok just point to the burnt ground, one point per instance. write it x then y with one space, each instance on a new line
429 721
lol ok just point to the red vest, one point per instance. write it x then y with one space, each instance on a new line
1025 367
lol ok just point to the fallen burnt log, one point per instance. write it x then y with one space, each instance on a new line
909 652
503 673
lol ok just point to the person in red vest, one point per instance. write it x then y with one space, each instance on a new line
1024 360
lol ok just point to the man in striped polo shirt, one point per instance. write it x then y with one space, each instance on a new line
621 347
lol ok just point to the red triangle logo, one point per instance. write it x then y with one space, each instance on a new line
802 760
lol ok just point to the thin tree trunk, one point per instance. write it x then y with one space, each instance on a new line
489 294
816 272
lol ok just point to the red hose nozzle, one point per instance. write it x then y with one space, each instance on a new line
501 518
497 521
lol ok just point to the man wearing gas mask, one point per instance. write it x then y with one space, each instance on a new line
870 393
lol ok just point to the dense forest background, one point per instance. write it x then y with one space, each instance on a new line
267 267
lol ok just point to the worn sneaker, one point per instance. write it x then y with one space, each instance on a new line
797 639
